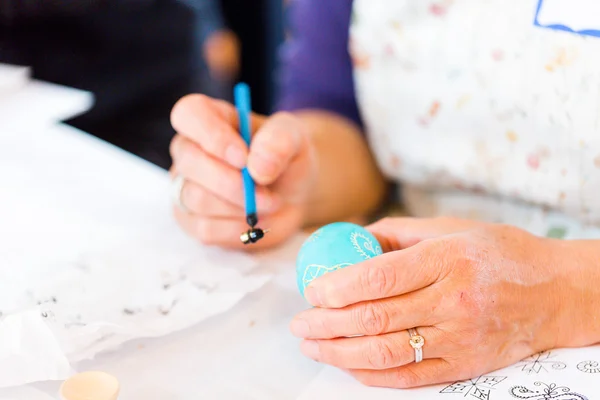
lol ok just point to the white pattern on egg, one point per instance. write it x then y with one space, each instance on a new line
367 246
313 271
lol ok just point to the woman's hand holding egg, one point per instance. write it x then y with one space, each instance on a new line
482 296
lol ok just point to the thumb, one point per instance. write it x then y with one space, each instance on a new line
400 233
274 147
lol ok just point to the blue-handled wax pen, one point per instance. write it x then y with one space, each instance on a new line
244 108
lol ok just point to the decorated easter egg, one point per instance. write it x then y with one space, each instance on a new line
331 248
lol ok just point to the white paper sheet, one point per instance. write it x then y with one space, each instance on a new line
25 337
565 374
35 104
90 255
24 393
578 15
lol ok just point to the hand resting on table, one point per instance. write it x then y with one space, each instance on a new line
482 296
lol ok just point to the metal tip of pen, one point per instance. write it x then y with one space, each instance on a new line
253 235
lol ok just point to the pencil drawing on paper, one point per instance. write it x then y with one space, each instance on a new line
540 362
544 391
479 388
589 367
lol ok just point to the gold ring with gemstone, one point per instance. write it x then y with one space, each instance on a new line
416 342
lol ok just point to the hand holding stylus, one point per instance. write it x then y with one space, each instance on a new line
243 105
209 154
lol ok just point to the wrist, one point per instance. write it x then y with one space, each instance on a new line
578 291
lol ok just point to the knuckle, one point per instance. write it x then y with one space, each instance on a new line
326 328
407 378
231 186
204 232
465 337
195 198
380 279
437 306
372 319
380 355
435 260
215 141
185 159
463 253
213 137
333 297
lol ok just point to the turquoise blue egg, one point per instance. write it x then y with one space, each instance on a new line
331 248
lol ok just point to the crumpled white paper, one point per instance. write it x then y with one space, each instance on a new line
29 350
67 313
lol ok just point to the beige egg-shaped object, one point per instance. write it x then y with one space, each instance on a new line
90 385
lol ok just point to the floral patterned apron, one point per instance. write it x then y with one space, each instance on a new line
485 109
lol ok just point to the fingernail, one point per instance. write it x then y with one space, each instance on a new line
300 328
313 296
235 156
310 349
265 166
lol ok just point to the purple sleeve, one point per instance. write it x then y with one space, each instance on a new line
316 69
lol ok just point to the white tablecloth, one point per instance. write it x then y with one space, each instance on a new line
246 353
